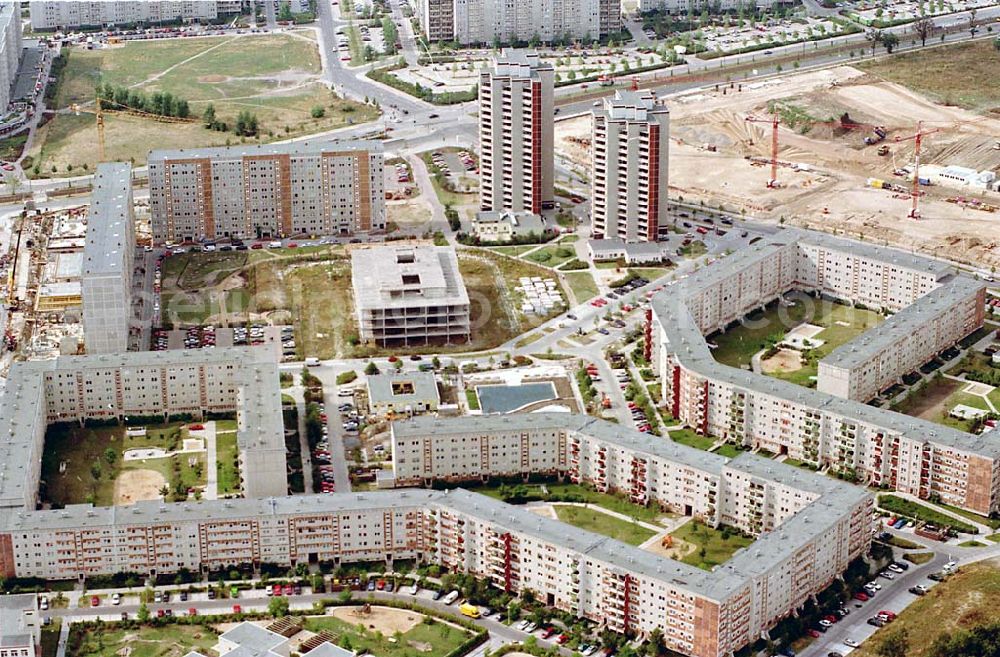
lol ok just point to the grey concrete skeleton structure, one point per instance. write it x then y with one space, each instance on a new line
409 295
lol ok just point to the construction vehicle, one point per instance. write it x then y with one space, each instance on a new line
605 80
878 134
883 150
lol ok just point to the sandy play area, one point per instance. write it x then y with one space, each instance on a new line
786 360
386 620
677 549
135 485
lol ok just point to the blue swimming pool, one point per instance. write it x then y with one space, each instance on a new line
504 399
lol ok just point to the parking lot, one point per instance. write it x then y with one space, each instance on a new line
776 31
281 338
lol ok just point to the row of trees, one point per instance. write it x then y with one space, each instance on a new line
114 97
246 122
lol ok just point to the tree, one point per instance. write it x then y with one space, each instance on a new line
371 368
318 112
895 644
13 183
285 13
110 456
875 38
95 470
923 28
890 41
278 607
143 614
208 118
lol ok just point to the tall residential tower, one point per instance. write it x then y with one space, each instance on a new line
515 133
630 142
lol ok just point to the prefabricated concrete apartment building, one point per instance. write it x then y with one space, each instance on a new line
109 260
409 295
832 425
300 188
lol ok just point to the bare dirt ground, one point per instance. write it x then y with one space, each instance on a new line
832 195
386 620
134 485
786 360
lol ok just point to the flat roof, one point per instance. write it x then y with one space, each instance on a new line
317 147
110 221
902 325
14 631
382 388
388 277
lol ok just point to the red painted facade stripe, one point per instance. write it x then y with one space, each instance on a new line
536 147
652 214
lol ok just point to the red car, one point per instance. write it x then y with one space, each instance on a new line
562 638
862 596
289 589
547 632
95 601
192 611
160 613
813 633
380 585
887 614
831 618
196 427
258 245
237 609
292 245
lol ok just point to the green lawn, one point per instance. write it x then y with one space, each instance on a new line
430 638
992 523
152 641
650 273
513 250
472 399
691 439
552 256
911 509
965 600
446 197
602 523
729 450
90 476
582 284
736 346
226 462
577 493
713 546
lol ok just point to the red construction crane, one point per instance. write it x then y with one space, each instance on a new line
773 182
915 193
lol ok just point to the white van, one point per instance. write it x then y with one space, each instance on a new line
312 361
450 598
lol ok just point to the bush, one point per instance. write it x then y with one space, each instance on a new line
346 377
318 112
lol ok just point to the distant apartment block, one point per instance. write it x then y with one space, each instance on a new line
68 14
491 21
409 295
630 148
10 49
301 188
682 6
108 261
877 446
516 134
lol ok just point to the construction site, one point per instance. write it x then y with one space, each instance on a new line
835 150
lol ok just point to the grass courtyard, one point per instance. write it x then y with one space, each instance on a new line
840 323
85 464
310 288
964 601
552 255
937 398
712 547
275 76
582 284
227 454
602 523
171 640
427 638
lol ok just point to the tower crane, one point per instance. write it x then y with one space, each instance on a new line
99 111
773 181
917 139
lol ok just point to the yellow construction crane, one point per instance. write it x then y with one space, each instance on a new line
98 111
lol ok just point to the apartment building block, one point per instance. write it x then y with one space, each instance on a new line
409 295
820 525
682 6
11 49
490 21
879 446
301 188
516 134
20 626
142 384
630 146
69 14
109 261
